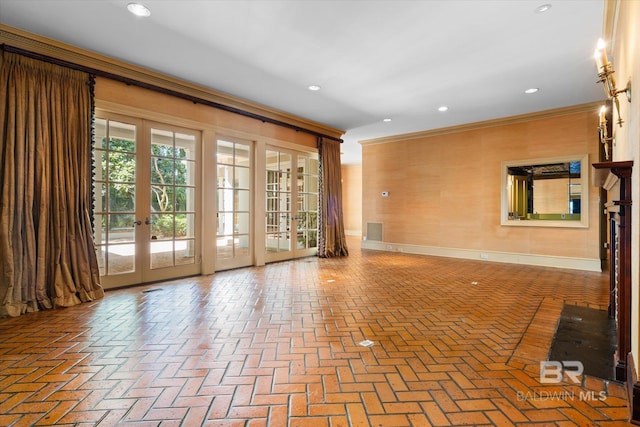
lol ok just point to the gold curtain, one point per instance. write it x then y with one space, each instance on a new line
331 237
47 255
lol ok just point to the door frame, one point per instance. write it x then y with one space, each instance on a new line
128 278
208 174
294 252
143 272
153 275
250 260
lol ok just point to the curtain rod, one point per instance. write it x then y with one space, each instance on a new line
138 83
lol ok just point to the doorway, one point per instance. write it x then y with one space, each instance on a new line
146 200
234 236
291 204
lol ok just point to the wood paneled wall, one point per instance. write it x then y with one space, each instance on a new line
445 191
352 198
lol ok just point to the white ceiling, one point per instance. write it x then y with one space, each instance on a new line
375 59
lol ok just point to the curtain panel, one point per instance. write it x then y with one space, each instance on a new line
47 255
332 241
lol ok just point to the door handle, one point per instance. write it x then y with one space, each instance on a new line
139 222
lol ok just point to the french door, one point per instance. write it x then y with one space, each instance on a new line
146 201
291 204
234 231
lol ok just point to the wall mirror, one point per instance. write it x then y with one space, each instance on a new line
547 192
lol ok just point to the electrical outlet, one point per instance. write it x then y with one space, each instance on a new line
484 256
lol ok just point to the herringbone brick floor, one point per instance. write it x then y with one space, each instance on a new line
455 342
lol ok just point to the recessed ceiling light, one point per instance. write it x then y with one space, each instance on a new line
443 108
386 120
314 88
543 8
532 90
138 9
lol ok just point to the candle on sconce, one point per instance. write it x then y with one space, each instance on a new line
606 76
603 119
598 58
601 56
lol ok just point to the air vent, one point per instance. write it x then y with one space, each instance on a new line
374 231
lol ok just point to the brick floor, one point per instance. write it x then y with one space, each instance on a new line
455 342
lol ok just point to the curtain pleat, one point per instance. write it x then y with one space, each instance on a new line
46 244
332 241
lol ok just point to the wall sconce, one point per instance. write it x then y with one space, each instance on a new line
605 140
605 72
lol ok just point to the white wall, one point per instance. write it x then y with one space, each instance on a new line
624 50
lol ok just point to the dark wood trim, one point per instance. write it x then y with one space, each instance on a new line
609 175
633 391
619 169
613 230
624 290
634 397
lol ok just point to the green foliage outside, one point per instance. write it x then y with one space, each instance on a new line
168 170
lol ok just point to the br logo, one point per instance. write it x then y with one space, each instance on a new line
554 372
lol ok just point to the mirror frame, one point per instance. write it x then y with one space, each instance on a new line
584 192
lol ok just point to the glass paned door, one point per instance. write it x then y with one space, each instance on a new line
291 204
234 196
146 201
172 206
115 158
307 205
279 207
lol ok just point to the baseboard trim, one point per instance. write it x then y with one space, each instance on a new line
585 264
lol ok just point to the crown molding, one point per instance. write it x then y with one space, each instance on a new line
592 106
40 45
